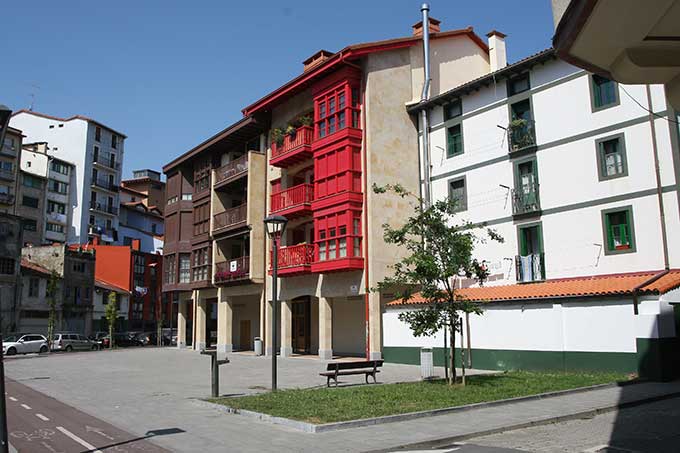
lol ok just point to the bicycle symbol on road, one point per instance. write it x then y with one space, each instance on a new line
44 434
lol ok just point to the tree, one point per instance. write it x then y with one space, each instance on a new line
52 293
437 251
111 315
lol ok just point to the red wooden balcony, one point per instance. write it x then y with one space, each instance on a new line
234 270
294 149
293 202
230 219
295 259
231 171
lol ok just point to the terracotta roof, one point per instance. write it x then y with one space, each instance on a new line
126 188
74 117
34 267
110 286
576 287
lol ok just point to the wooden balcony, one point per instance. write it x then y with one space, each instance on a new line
236 270
294 260
231 172
294 149
293 202
230 219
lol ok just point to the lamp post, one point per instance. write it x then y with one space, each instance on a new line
5 114
275 225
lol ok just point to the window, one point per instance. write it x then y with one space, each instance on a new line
202 219
32 181
59 167
453 109
9 143
57 186
454 140
114 141
29 225
95 154
33 287
30 202
154 228
7 166
201 265
138 269
458 194
171 200
184 268
339 236
518 84
604 93
619 233
79 266
54 227
201 176
332 111
169 270
53 206
6 266
611 158
98 133
4 189
187 197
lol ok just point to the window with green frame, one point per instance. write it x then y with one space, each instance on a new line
612 158
453 109
604 92
618 230
454 140
458 194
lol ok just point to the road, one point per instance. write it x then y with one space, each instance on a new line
38 423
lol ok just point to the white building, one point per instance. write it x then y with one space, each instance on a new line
563 164
97 152
61 200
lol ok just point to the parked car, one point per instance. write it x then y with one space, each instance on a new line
24 344
68 342
151 339
121 339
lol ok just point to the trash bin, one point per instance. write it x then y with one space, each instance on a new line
426 363
258 346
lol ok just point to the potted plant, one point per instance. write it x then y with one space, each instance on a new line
519 134
277 136
291 130
306 120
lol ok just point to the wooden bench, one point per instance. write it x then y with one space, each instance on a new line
366 367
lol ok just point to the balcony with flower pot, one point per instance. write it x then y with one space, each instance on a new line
292 145
293 202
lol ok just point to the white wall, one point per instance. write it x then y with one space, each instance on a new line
34 163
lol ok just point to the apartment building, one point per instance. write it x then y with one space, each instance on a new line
75 266
31 192
33 311
141 216
10 155
330 134
10 270
97 152
149 183
579 175
61 199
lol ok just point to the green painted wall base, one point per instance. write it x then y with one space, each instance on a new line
505 359
658 358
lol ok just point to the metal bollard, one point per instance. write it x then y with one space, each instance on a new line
214 370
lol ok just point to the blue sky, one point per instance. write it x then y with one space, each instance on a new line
171 73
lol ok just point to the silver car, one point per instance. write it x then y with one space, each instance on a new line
24 344
68 342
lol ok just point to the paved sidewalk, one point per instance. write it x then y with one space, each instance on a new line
145 390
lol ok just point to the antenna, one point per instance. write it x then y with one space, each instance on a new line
32 95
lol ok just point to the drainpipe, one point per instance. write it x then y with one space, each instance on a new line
649 281
659 192
424 96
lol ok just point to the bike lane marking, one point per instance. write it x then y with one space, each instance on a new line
87 445
26 406
42 417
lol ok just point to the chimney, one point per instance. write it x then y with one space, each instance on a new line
434 27
136 244
316 59
497 56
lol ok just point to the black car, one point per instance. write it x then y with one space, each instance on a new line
121 340
151 339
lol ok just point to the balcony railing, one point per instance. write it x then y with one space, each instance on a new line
231 270
8 149
230 217
525 200
300 195
521 135
106 159
530 268
103 207
7 174
286 153
295 255
233 168
56 217
6 198
104 183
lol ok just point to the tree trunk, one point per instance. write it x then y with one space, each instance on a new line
462 353
452 355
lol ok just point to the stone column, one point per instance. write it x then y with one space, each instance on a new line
181 323
268 329
286 329
375 326
325 328
225 322
200 321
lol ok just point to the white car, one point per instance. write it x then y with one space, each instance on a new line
24 344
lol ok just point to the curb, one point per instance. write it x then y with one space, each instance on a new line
326 427
445 441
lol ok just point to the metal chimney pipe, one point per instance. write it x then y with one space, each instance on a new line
425 95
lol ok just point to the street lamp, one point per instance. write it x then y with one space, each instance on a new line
275 225
5 114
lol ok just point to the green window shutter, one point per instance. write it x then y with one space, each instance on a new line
610 232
